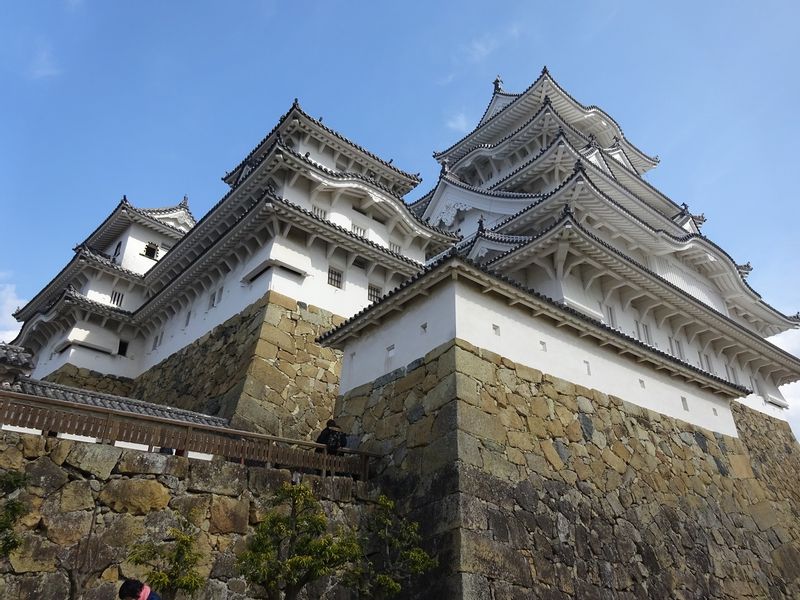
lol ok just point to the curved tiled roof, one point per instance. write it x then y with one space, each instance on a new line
54 391
279 145
296 107
567 216
104 260
590 107
15 356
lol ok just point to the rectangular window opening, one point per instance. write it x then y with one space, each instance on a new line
496 329
122 349
116 298
318 212
588 367
642 384
151 250
685 403
543 346
335 277
395 248
374 293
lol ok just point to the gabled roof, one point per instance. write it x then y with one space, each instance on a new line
66 277
495 126
452 266
407 180
123 215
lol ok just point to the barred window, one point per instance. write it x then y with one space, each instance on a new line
151 250
334 277
358 230
374 293
116 298
395 248
320 213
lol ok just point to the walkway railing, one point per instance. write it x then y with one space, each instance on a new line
109 426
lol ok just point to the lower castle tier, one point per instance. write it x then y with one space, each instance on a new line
540 241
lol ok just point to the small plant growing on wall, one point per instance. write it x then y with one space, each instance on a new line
173 564
292 547
10 512
395 557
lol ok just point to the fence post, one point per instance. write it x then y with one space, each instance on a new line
364 467
107 433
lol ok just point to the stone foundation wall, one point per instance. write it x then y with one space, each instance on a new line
531 487
91 380
260 368
90 503
291 382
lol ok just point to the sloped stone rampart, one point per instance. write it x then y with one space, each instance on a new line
528 486
261 368
83 520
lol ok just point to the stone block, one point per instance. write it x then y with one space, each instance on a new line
764 515
34 555
551 454
228 515
67 528
480 424
217 477
76 495
11 459
740 467
136 496
96 459
484 556
474 366
43 473
138 462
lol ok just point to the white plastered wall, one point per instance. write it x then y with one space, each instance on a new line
458 310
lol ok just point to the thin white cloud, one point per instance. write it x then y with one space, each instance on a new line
458 122
478 49
790 341
43 65
9 302
445 79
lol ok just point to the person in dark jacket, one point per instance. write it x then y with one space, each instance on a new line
333 438
133 589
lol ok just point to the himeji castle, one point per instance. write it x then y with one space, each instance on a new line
542 359
541 241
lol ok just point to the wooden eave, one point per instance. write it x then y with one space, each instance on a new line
599 254
452 267
322 177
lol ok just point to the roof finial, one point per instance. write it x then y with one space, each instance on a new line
498 84
480 224
745 269
124 198
545 71
296 103
445 167
547 99
567 210
578 166
185 202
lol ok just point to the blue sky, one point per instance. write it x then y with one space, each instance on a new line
158 99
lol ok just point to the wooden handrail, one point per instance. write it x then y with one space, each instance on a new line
102 423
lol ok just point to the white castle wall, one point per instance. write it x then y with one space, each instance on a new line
457 310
